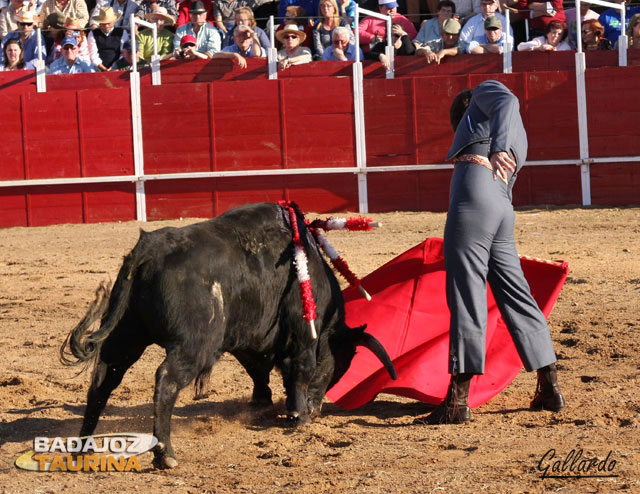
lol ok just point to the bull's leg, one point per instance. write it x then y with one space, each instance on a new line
296 375
117 354
176 372
258 367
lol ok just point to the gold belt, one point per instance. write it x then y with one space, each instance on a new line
478 160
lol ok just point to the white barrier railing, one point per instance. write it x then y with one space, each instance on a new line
581 93
388 49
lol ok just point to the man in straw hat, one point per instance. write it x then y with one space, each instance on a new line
123 8
26 33
449 45
144 40
8 21
209 41
69 8
107 39
292 52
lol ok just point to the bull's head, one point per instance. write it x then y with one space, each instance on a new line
335 353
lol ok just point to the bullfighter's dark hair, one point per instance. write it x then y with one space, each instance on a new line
459 105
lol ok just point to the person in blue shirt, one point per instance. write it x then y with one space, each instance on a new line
209 40
341 49
612 22
245 44
494 38
69 63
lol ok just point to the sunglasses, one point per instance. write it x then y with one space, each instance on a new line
188 45
25 23
290 36
69 47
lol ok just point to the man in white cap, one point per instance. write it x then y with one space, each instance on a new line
26 33
209 41
144 40
123 8
449 45
374 30
69 63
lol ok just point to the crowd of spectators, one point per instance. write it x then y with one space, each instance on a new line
94 35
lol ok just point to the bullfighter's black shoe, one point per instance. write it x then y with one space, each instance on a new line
548 395
455 407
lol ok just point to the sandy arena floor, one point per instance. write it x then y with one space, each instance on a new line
48 276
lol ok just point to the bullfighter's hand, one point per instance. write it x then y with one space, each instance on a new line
501 164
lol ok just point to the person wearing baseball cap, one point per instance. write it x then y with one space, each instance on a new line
208 39
69 62
473 29
449 45
494 39
188 49
373 30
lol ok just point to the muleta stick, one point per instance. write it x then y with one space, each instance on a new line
339 263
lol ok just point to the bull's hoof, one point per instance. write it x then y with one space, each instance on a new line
260 403
296 419
162 460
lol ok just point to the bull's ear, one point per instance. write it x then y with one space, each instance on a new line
368 341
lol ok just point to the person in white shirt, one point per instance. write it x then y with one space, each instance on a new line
554 40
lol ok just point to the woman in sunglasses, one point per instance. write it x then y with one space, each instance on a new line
292 52
593 36
13 57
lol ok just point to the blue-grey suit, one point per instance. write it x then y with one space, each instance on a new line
478 239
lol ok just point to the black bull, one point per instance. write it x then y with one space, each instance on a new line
223 285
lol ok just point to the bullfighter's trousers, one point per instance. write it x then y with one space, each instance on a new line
479 246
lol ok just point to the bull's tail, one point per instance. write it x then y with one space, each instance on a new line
81 345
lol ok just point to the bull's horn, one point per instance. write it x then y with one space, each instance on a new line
368 341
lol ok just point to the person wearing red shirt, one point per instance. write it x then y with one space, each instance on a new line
373 30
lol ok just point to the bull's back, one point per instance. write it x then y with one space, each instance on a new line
224 276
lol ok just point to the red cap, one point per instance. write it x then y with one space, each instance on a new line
188 38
